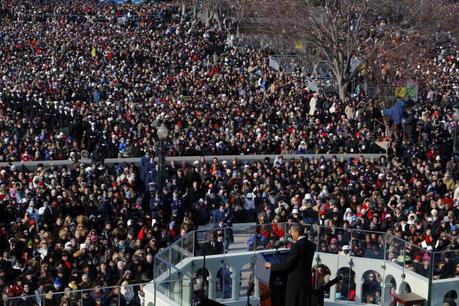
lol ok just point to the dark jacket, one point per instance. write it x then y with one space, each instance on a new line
212 248
298 268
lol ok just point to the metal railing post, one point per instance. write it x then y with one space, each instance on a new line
154 292
181 290
225 247
169 261
182 248
194 242
429 290
383 293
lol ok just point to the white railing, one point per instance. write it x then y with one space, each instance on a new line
396 265
358 266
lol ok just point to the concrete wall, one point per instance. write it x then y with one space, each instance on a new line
190 159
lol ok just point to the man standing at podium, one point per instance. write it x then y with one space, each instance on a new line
298 269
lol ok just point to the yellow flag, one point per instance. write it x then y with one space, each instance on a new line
299 45
400 92
93 52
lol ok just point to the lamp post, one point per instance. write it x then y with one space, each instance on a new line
162 133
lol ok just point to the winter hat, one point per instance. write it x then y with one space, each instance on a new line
57 282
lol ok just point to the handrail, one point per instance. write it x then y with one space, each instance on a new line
445 252
244 158
317 232
314 227
58 293
168 264
333 262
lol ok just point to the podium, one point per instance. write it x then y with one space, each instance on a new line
272 284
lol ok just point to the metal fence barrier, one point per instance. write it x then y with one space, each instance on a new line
125 294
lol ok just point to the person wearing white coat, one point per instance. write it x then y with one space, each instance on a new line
312 105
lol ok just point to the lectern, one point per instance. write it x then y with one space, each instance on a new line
272 284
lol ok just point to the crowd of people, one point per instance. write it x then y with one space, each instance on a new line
86 80
97 81
93 225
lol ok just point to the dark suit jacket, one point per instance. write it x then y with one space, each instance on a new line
298 269
212 248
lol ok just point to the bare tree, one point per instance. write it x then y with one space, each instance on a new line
189 5
348 34
240 10
213 10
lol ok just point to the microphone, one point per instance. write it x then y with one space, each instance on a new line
251 287
329 284
318 293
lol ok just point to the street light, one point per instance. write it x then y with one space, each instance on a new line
162 133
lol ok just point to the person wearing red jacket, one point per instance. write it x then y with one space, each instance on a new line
277 229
